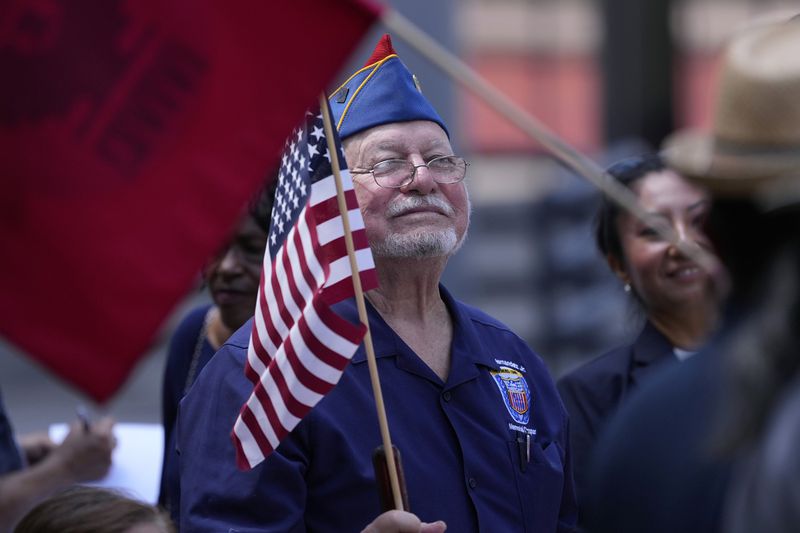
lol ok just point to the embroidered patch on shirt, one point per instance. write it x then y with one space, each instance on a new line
515 392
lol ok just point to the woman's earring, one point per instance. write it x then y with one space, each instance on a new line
627 287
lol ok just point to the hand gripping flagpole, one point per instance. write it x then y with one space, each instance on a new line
391 464
569 156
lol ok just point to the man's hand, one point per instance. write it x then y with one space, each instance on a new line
402 522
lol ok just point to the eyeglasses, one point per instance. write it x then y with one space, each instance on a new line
397 173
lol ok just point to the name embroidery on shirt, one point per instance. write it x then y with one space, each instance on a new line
515 393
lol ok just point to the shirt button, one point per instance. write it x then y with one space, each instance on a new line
472 483
446 396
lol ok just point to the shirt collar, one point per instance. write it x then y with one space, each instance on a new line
467 344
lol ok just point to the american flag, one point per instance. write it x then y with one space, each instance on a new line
299 347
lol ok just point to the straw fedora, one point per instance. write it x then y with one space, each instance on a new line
754 148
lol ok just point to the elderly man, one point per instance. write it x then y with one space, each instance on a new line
482 432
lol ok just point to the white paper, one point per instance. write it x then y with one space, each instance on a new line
136 467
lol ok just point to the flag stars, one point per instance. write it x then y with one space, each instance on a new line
301 164
322 151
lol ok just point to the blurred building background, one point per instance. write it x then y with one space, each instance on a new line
612 77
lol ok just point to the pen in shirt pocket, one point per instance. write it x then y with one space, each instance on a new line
524 449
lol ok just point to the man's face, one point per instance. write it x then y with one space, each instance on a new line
421 219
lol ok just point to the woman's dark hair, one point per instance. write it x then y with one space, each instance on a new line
91 510
625 172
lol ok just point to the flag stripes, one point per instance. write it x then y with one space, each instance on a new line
299 347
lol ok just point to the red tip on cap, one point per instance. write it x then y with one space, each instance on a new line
382 50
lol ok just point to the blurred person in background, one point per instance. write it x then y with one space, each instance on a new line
232 277
756 221
760 414
710 445
37 468
93 510
679 299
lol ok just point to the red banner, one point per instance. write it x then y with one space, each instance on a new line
131 135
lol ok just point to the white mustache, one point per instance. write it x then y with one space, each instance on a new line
403 204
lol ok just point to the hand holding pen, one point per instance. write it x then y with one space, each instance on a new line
85 454
83 417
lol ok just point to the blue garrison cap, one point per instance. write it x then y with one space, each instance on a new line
383 91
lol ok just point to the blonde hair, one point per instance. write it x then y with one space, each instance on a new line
91 510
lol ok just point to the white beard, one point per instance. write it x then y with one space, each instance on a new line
422 242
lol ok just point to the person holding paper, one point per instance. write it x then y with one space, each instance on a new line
475 414
84 455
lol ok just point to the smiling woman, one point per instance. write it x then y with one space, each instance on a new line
679 299
666 283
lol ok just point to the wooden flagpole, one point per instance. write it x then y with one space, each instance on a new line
569 156
362 309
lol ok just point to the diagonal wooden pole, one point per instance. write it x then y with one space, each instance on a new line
362 309
564 152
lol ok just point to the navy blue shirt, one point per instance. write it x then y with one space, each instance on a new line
10 458
464 442
189 337
593 392
655 468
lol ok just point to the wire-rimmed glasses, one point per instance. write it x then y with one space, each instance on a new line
397 173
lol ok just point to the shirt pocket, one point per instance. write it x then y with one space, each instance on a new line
540 483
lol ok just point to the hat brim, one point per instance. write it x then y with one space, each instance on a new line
696 156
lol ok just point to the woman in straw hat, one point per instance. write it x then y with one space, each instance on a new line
681 452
